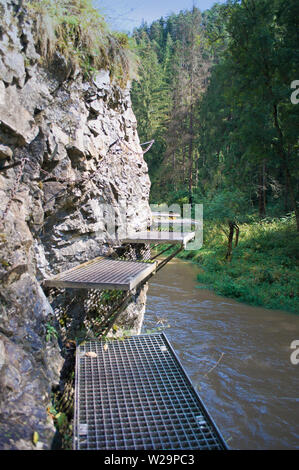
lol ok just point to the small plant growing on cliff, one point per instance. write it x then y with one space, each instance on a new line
77 30
4 263
51 332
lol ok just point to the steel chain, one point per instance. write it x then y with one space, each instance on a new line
25 159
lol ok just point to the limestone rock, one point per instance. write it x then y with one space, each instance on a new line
102 79
79 176
5 152
97 107
95 126
35 95
14 64
52 190
15 117
2 355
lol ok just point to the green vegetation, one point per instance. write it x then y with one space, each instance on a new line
51 332
215 94
77 30
264 267
62 422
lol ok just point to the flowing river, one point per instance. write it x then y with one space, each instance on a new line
237 356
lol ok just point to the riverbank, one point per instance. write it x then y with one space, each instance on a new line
264 266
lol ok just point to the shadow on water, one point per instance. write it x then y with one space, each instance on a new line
252 393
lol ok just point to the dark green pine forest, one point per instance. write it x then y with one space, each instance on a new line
217 91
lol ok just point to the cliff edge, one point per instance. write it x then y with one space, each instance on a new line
73 149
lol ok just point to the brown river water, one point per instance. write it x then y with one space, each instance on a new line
253 392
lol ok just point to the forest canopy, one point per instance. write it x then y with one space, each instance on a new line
215 93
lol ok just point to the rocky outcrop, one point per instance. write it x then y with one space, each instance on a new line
79 163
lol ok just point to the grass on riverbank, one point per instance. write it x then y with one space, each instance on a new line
264 267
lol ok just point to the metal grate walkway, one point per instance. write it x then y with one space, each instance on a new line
103 273
160 237
175 222
134 394
171 215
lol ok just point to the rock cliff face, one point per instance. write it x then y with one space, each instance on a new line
77 150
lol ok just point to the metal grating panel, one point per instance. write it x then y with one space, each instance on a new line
134 395
103 273
169 222
159 237
165 214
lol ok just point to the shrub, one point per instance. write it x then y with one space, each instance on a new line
263 270
78 31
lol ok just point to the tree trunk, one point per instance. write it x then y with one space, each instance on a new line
262 191
237 235
230 240
232 227
286 195
283 156
191 149
184 166
197 169
292 196
173 171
